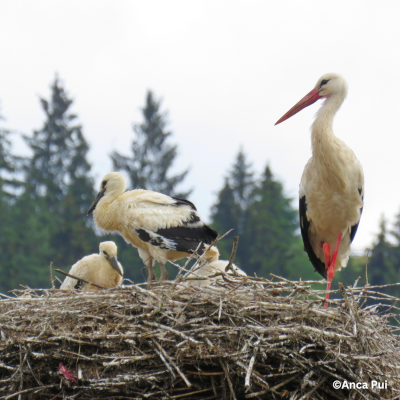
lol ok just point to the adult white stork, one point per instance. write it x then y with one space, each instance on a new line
102 269
161 227
332 185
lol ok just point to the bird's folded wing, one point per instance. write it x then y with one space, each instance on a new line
80 270
168 223
156 211
304 228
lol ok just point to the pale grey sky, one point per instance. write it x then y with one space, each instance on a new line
227 71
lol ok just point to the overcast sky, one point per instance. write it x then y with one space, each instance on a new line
226 71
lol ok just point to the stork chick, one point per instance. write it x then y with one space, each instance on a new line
212 266
332 185
161 227
102 269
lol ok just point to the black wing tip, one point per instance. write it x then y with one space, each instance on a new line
320 269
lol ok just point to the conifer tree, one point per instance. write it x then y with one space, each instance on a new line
224 217
9 166
54 147
272 226
231 209
59 174
152 156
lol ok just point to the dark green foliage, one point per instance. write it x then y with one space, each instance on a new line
47 223
265 221
273 227
9 166
60 173
152 155
225 216
27 252
231 209
381 266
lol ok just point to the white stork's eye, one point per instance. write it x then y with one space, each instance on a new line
103 184
104 252
324 82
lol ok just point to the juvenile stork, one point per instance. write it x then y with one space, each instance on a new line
332 185
161 227
212 266
102 269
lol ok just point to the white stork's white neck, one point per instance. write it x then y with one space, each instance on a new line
324 143
322 128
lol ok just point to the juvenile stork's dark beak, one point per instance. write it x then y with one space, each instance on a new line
95 201
114 263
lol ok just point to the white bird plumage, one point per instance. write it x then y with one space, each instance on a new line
212 266
332 184
161 227
102 269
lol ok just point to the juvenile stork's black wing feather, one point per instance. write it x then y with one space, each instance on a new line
184 202
304 228
185 237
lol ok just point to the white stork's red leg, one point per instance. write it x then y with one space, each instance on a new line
331 268
327 254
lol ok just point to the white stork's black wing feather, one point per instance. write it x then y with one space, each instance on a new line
304 228
355 227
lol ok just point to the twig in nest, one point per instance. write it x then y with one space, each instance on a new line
233 254
366 266
80 279
172 363
227 376
51 275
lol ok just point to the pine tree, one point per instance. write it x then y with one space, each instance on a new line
152 155
231 209
273 225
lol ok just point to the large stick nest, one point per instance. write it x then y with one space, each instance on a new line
237 339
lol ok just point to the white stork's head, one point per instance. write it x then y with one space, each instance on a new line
108 250
329 86
112 185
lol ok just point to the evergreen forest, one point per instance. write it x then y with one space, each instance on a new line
44 199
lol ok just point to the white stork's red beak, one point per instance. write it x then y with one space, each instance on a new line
306 101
